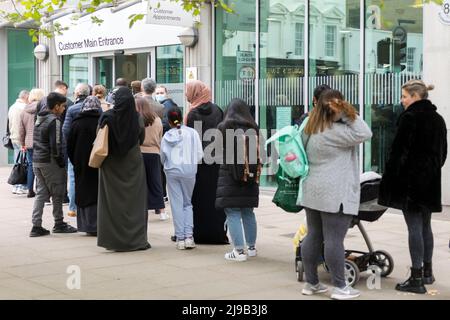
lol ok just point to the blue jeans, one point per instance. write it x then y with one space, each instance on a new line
180 194
238 218
30 175
71 175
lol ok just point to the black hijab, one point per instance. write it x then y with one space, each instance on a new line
238 116
123 123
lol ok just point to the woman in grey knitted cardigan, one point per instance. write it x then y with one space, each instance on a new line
331 190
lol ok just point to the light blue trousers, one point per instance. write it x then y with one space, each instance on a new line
238 218
180 193
71 175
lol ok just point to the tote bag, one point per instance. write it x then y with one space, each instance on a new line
19 171
100 148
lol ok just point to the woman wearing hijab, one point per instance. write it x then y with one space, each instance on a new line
209 222
79 145
122 194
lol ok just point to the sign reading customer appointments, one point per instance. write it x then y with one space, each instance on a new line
169 13
444 13
114 33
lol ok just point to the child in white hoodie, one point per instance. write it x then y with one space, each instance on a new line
181 151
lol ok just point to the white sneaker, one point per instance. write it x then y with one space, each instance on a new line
345 293
181 245
235 256
163 216
251 252
19 190
189 243
309 289
14 190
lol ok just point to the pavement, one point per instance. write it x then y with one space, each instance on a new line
45 268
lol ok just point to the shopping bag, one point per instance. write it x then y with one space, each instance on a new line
19 171
100 148
287 192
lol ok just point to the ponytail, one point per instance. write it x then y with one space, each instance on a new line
177 123
175 117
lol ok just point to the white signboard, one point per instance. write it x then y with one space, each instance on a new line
191 74
169 13
114 33
444 13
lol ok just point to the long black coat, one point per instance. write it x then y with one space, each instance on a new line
79 145
419 150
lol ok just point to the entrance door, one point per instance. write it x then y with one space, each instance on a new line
133 66
104 72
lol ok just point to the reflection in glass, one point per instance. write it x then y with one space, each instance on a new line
75 70
393 56
169 71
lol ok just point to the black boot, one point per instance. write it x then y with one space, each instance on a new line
414 283
428 277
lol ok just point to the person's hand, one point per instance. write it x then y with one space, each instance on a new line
24 148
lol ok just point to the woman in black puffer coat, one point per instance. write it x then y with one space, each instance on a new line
412 179
236 197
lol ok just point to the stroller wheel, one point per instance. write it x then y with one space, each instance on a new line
384 261
299 269
351 273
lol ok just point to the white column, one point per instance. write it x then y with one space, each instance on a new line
48 70
436 55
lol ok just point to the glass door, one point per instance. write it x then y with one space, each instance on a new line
104 72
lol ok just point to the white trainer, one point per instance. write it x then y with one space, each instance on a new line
181 245
235 256
310 290
163 216
189 243
252 252
345 293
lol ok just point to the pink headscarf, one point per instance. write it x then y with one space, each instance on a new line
197 93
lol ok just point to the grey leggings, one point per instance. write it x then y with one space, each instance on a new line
420 236
325 230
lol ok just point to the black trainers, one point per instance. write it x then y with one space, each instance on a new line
173 238
64 228
39 232
31 194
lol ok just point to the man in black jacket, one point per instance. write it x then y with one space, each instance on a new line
49 165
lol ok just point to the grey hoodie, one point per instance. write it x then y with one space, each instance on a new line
181 151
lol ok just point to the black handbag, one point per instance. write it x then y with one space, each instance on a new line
7 143
19 171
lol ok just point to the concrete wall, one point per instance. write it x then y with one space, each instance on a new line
437 72
48 71
3 92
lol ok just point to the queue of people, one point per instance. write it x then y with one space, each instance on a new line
152 147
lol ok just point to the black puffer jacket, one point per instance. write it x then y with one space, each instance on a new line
413 172
232 193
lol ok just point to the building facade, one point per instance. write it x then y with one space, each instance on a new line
272 54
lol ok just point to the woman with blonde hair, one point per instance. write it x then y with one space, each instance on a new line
100 92
26 128
412 179
331 191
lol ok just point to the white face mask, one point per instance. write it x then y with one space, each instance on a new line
160 97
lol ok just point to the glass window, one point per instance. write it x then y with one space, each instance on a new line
169 71
236 53
131 66
75 70
394 38
299 39
281 69
330 41
334 47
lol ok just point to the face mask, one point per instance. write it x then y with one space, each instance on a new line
160 97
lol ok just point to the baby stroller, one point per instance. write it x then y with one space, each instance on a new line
359 261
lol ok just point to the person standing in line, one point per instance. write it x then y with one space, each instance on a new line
181 150
14 113
120 83
150 152
81 138
331 191
162 96
49 166
99 91
209 222
136 88
148 89
81 93
122 194
236 197
26 128
412 179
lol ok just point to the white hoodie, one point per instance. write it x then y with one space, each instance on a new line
181 151
14 120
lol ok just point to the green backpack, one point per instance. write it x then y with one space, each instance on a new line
290 148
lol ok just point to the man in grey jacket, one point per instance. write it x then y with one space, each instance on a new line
49 166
